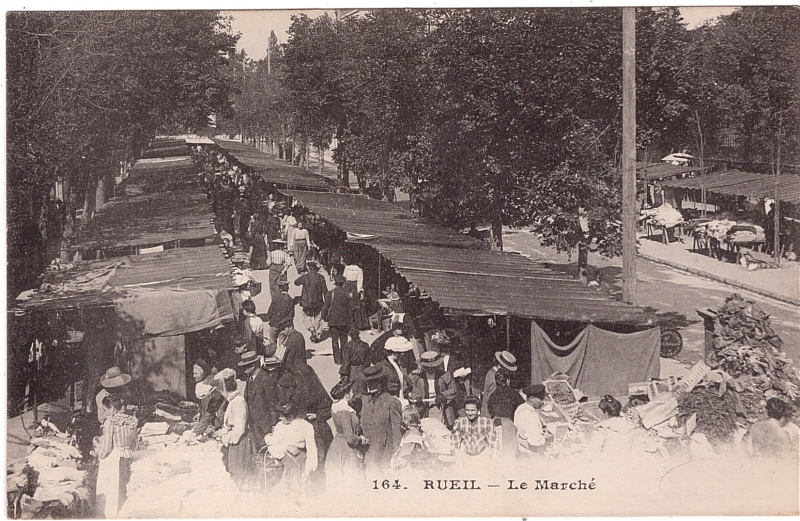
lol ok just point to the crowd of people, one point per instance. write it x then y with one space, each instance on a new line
408 401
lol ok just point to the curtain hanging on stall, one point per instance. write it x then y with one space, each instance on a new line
597 362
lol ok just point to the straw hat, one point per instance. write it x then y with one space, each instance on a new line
114 377
398 344
430 359
507 360
248 358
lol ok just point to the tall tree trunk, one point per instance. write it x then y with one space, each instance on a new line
321 157
497 225
89 199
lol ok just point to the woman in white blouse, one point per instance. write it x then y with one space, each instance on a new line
238 448
292 442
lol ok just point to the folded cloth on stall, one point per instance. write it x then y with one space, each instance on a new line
154 428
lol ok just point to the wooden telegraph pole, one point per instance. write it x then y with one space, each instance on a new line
629 154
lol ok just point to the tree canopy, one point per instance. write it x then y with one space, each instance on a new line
87 90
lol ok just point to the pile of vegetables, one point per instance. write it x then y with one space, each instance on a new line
748 367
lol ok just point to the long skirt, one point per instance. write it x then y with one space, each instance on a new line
275 271
344 465
240 462
291 480
258 259
113 474
300 254
359 316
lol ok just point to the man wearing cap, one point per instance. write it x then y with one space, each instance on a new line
291 346
256 391
444 345
530 429
337 313
433 391
281 308
504 359
381 419
114 380
253 329
230 357
312 298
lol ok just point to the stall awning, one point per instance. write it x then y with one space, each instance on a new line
737 183
162 165
148 220
166 148
368 220
273 170
194 283
664 170
464 280
492 282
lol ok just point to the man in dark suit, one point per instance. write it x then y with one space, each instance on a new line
281 308
337 313
504 400
256 395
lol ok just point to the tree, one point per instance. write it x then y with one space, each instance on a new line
87 90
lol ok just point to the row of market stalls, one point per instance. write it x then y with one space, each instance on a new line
744 203
144 273
526 302
530 302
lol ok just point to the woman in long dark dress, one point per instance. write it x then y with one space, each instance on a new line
258 259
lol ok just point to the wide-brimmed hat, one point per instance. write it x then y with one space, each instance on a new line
430 359
248 358
398 344
536 391
374 372
507 360
114 377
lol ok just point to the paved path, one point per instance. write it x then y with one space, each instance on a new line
675 295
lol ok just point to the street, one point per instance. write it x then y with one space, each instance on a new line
675 295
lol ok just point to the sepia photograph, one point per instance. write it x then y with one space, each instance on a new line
402 262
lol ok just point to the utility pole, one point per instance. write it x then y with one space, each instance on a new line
777 233
629 155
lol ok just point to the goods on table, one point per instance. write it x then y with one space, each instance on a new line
48 482
715 414
665 215
560 390
745 233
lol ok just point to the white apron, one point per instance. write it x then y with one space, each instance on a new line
108 483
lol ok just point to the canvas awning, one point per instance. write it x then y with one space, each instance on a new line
737 183
166 293
664 170
273 170
148 220
368 220
461 279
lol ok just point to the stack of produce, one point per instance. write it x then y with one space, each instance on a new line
748 366
665 215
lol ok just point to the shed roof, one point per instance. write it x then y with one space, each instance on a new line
272 170
159 165
462 278
166 148
662 170
99 283
735 182
380 220
148 220
492 282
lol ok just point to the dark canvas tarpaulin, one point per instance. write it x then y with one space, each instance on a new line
172 312
158 364
598 361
